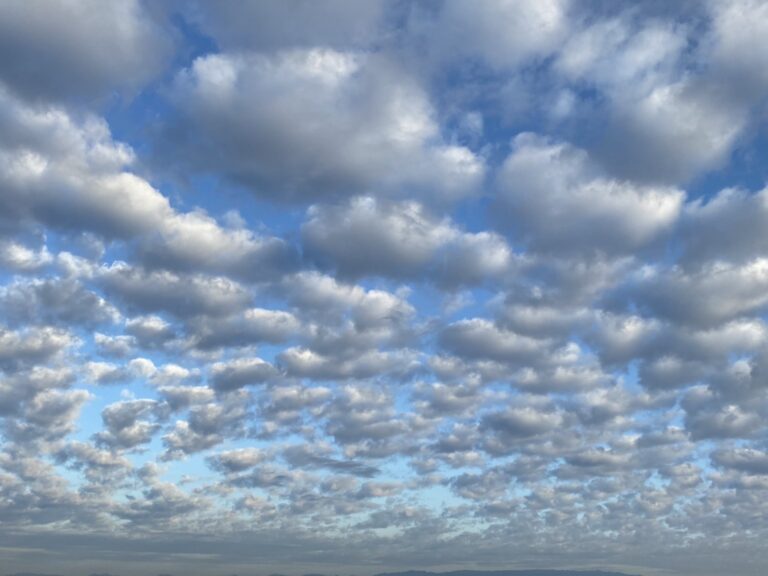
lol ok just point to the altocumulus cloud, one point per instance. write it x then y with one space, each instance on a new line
345 286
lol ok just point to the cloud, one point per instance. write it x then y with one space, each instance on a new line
158 291
717 293
55 301
241 372
401 240
233 461
305 363
501 34
552 198
318 457
314 123
21 258
247 327
479 338
79 50
129 423
48 415
31 346
70 175
734 217
510 426
238 25
149 331
668 118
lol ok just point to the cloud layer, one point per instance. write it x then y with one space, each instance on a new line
344 287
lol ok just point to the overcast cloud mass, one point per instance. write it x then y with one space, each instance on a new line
352 286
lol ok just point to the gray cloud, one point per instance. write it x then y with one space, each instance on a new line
368 237
63 301
251 326
269 25
160 291
129 423
552 199
241 372
84 50
353 121
31 346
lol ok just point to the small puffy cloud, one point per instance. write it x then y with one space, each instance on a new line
320 456
177 294
251 326
49 415
95 463
55 301
480 338
195 241
181 397
115 346
149 331
744 459
129 423
306 363
508 429
241 372
31 346
234 461
325 298
715 294
105 373
20 258
206 426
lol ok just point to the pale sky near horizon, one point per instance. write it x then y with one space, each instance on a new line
360 286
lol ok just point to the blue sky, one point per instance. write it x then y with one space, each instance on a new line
349 287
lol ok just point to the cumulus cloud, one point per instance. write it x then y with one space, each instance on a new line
669 117
552 198
32 346
368 237
247 327
79 50
241 372
341 122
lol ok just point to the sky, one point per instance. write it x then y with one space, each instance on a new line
351 286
